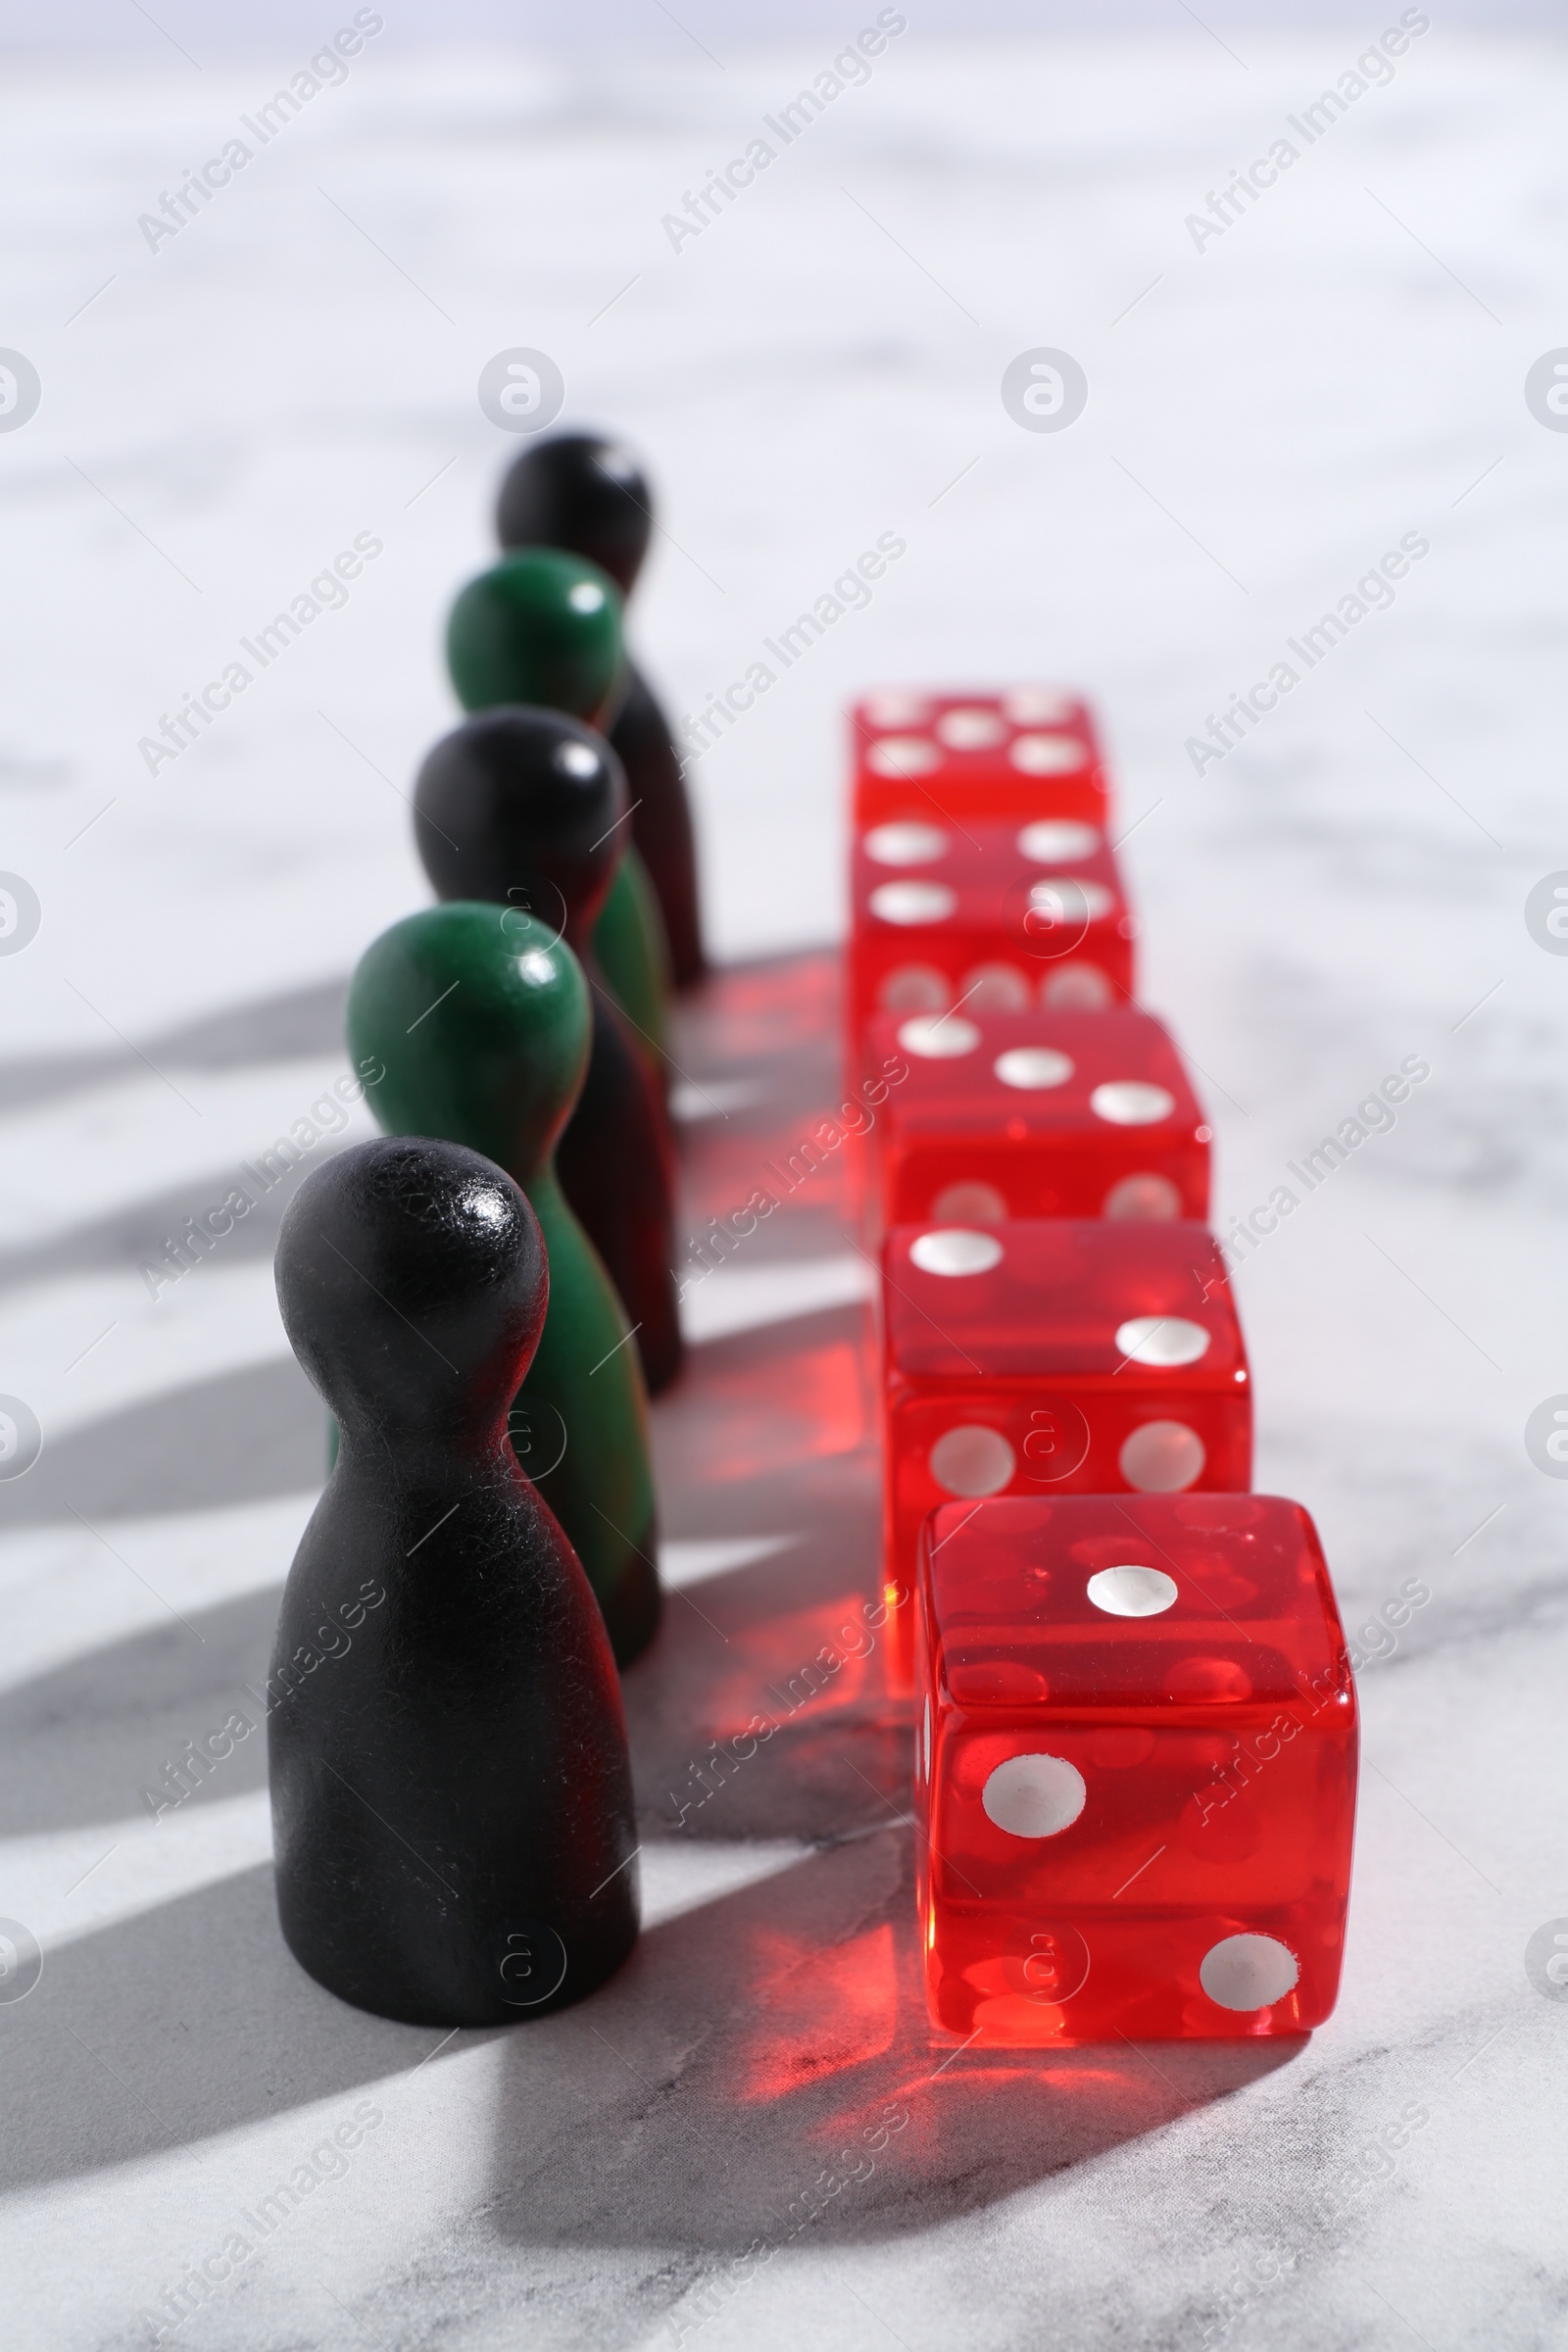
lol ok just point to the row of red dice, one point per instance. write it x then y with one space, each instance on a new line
1136 1725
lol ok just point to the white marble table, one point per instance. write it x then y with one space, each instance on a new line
1268 412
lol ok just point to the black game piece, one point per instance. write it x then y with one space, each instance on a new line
586 493
452 1801
521 805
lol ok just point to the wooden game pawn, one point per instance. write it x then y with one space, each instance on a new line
542 627
588 493
523 807
452 1802
480 1021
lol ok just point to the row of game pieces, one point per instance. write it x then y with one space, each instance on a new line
484 1298
1136 1739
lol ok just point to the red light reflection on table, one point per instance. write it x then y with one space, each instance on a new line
824 2011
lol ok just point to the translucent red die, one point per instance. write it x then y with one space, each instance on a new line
1136 1768
1088 1357
1028 751
1035 1114
986 918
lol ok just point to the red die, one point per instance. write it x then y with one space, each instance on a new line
987 917
1028 751
1134 1770
1092 1358
1042 1114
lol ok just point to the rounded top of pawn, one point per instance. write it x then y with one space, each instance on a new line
412 1281
478 1016
582 491
523 806
540 627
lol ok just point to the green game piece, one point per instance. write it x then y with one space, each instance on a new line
633 952
543 626
540 627
480 1018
